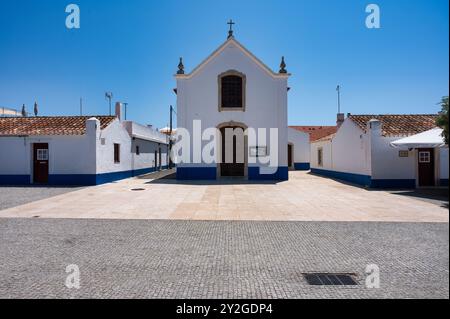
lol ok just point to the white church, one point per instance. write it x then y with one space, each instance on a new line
233 89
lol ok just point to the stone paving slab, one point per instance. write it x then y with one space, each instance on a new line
12 196
213 259
304 197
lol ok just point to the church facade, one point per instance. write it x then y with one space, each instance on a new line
232 108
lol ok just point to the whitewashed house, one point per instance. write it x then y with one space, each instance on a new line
232 88
299 150
360 152
77 150
301 145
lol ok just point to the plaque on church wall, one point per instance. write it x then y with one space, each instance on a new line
403 153
258 151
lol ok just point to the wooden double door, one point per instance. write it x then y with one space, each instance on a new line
236 166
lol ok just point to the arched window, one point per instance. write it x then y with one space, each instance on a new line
232 91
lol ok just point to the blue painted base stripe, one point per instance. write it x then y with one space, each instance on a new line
116 176
15 179
282 174
302 166
72 179
78 179
363 180
196 173
443 182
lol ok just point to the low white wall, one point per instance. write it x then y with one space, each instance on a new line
302 147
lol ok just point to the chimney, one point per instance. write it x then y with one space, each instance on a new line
92 126
374 126
340 119
119 110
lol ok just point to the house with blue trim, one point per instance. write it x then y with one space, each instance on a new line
361 152
300 139
77 150
299 149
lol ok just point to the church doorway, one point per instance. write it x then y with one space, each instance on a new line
233 153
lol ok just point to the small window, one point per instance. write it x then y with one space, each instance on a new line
320 157
138 151
403 153
42 155
232 91
116 153
424 157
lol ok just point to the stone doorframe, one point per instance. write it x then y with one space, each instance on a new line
219 146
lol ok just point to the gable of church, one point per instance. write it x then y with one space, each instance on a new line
233 54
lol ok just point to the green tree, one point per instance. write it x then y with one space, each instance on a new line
442 120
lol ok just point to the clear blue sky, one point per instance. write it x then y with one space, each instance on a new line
132 47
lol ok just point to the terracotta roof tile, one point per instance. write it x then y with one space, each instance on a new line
325 138
316 132
52 125
398 125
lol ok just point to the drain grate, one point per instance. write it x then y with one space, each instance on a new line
329 279
138 189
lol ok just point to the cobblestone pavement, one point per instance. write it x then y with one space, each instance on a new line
219 259
15 196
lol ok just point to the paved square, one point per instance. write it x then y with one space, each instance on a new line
304 197
219 259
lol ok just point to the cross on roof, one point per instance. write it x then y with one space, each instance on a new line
231 23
